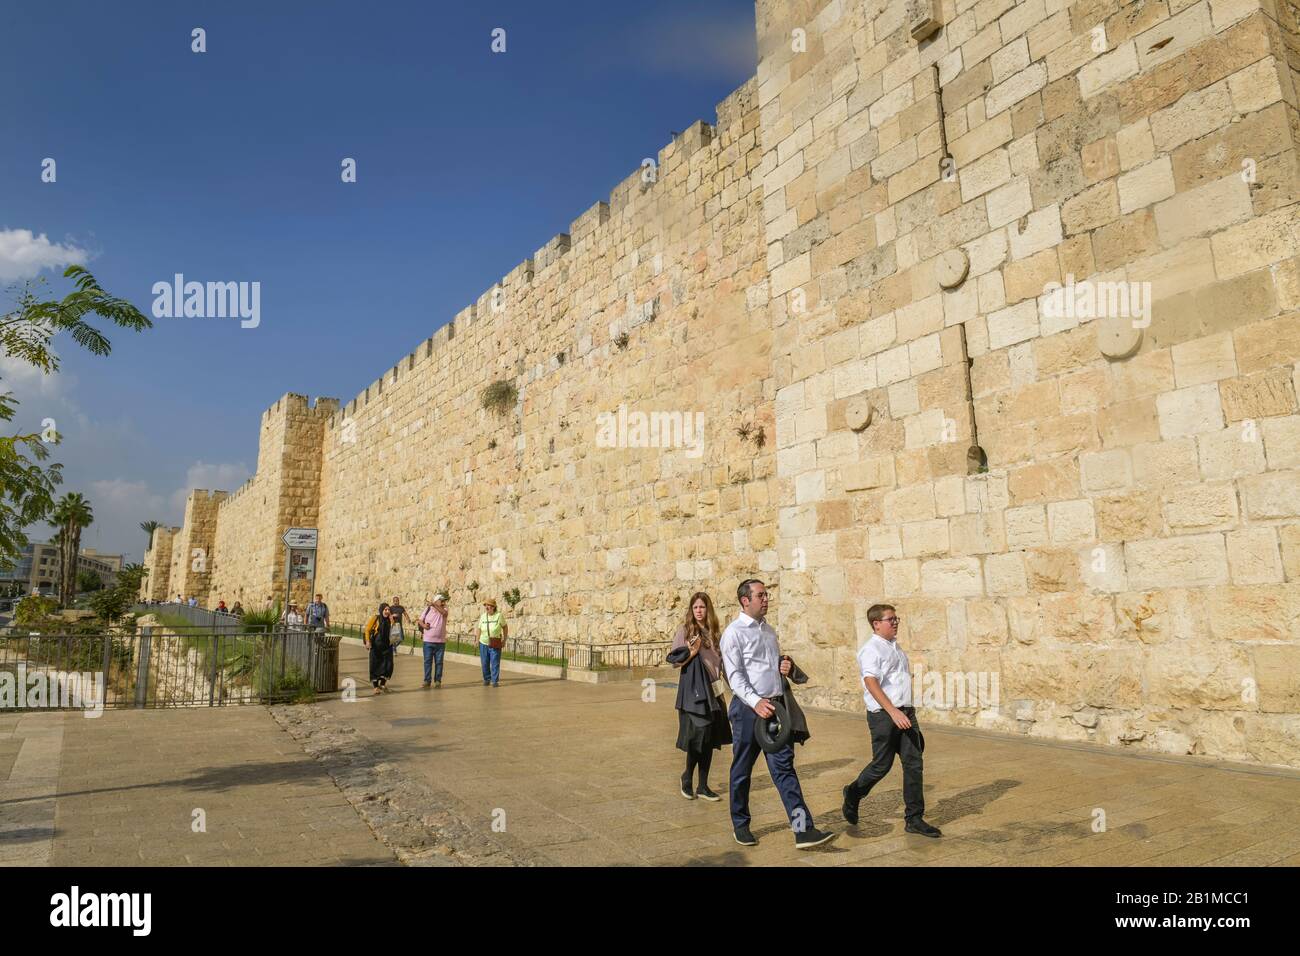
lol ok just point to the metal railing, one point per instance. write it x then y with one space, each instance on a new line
198 617
163 668
567 654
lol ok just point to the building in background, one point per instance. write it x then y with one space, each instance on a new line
38 569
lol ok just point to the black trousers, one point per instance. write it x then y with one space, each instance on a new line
886 741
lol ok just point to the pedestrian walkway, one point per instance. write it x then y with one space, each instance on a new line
588 774
542 770
123 790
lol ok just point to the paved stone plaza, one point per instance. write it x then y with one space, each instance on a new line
582 774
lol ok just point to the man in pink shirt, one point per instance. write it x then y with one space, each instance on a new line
433 622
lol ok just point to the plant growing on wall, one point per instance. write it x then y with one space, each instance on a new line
753 434
512 597
621 340
499 397
472 587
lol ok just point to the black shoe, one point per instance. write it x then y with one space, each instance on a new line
811 838
487 683
704 793
922 828
744 837
850 806
687 792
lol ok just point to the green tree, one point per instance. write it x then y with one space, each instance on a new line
111 603
27 486
149 527
89 581
71 514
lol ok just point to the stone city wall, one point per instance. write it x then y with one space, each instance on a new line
1092 511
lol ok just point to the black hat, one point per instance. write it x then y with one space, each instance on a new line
776 732
678 654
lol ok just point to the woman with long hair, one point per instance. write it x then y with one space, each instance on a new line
378 638
702 725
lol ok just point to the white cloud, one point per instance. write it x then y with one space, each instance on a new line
23 254
212 477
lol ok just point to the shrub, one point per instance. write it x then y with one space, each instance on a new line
499 397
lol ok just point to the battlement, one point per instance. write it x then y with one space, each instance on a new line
624 203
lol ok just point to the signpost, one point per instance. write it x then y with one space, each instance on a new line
300 546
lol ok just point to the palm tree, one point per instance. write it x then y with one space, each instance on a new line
71 514
149 527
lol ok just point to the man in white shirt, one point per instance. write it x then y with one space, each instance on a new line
887 682
755 667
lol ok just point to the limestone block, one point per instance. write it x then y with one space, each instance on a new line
1041 230
1046 481
987 492
1253 556
1167 463
925 538
1201 507
913 503
1262 395
1129 423
1143 375
1204 360
1070 522
1187 561
1211 678
1016 323
1277 677
1282 442
902 578
1004 574
1190 411
1129 516
877 472
1106 470
952 577
981 533
1253 613
1265 345
1102 568
1203 210
1026 526
1234 452
949 495
1272 495
1289 536
1145 185
884 543
1052 571
986 623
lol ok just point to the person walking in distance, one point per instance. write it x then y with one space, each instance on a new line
318 614
492 634
433 625
399 619
755 669
378 640
891 719
701 708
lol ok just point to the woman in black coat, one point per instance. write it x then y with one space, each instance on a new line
702 725
378 640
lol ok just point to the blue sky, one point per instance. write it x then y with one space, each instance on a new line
225 166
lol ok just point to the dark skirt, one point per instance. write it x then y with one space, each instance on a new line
696 733
381 663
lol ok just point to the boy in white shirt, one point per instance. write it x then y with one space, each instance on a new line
887 683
